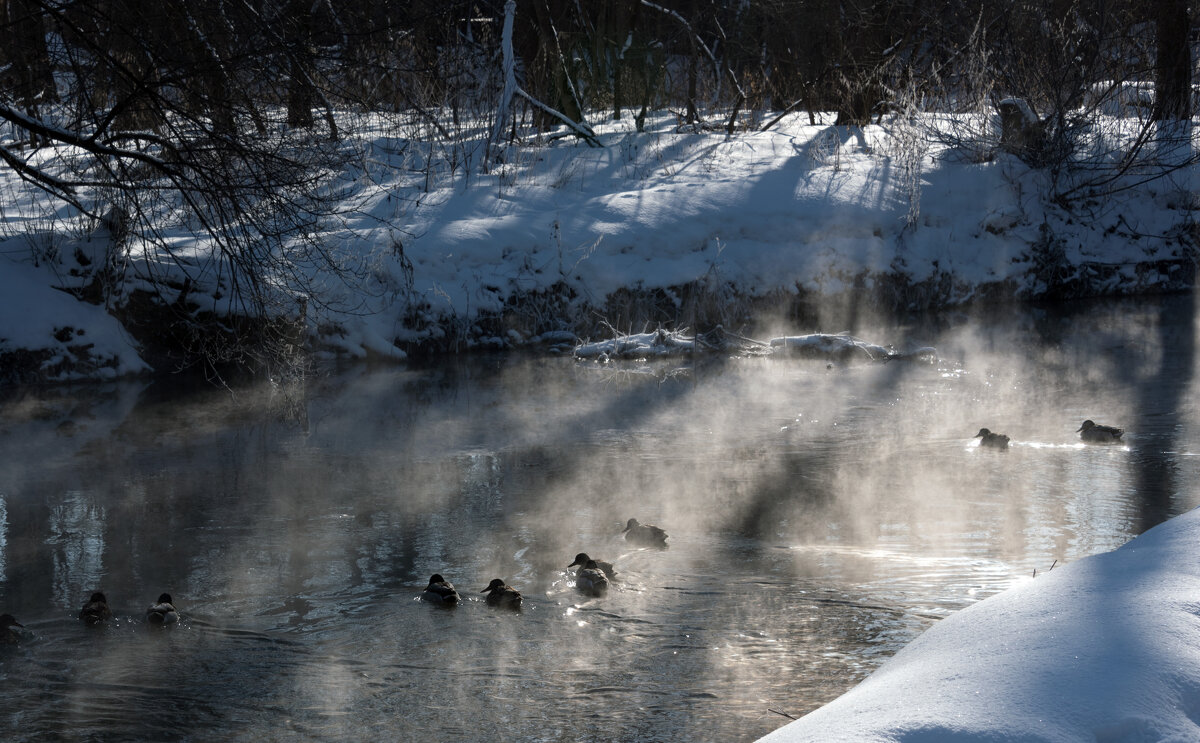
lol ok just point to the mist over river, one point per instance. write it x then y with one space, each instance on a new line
820 516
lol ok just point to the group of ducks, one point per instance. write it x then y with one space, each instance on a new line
1090 432
591 579
95 611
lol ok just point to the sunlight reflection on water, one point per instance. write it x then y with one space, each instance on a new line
819 518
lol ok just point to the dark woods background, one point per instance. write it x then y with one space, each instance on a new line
227 65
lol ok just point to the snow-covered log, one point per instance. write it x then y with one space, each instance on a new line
845 348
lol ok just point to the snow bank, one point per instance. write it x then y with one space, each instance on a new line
494 259
1106 649
77 340
817 210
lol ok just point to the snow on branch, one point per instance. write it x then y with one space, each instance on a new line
56 187
659 343
89 144
583 131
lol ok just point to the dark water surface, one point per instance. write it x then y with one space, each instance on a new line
819 518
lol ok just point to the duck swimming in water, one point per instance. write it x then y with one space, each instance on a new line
162 611
590 579
501 594
645 535
1094 433
992 440
8 635
582 559
95 610
440 591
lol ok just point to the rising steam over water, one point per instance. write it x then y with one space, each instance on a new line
820 518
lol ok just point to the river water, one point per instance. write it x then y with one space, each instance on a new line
820 517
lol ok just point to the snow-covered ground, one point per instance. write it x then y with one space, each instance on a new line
1104 650
799 207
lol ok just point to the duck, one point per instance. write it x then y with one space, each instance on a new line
582 559
501 594
162 611
645 535
8 635
95 610
590 579
440 591
992 440
1094 433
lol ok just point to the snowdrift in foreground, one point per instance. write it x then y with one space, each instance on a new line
1105 649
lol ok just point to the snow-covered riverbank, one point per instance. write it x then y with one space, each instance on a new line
656 228
1103 649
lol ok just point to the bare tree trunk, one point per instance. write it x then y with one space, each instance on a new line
503 110
1173 62
133 78
693 116
299 37
562 92
26 54
695 46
